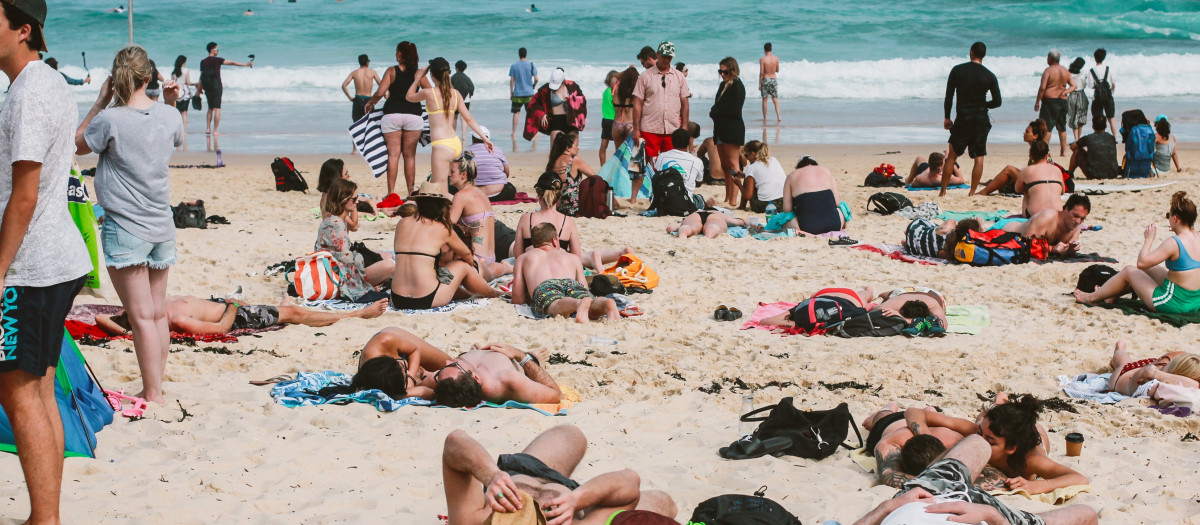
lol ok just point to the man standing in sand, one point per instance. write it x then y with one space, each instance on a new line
768 67
193 315
522 77
536 484
43 261
1052 93
552 281
212 87
660 106
365 79
969 129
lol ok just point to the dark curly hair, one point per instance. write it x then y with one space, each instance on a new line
382 373
919 452
1016 422
461 391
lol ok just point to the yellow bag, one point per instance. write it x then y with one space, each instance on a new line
633 272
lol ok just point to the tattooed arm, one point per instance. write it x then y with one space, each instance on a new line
887 466
991 479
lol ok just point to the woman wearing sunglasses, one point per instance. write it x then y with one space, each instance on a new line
729 131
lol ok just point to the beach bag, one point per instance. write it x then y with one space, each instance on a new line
670 196
887 202
317 277
633 272
84 216
1103 91
287 178
992 248
869 324
190 215
815 434
594 198
1139 151
736 509
815 315
883 176
603 285
1094 276
196 102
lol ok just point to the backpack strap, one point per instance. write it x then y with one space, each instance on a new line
854 426
1096 78
746 417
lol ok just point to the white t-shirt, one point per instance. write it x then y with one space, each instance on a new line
37 124
184 77
913 513
1090 83
692 166
768 179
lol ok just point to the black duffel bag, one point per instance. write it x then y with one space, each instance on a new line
815 434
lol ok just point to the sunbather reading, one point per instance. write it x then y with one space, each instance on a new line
1175 368
553 283
477 487
193 315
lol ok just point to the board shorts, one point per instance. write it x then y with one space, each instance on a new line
606 129
656 144
554 289
182 104
1170 298
969 134
1054 113
393 122
31 325
358 107
1105 108
255 317
949 480
518 103
212 95
123 249
770 88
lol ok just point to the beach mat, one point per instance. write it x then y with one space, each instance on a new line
962 186
1100 189
342 306
81 321
1137 307
990 216
520 198
967 319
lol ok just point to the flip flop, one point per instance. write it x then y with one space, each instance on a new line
750 447
631 311
277 379
137 405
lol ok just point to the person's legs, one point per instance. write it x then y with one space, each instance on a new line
380 272
408 149
465 503
292 314
951 157
132 284
183 114
715 226
690 226
208 117
764 104
567 306
1062 142
560 448
973 451
440 158
976 174
748 190
468 278
1073 515
729 160
1129 277
1007 176
602 306
393 141
158 292
603 257
603 150
29 402
1119 359
778 117
869 422
216 121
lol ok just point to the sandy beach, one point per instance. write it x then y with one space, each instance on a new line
237 456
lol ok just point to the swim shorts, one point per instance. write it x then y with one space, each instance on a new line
606 129
1170 298
212 94
969 133
1054 113
554 289
949 480
518 103
31 325
358 107
656 144
770 88
401 122
1104 107
255 317
123 249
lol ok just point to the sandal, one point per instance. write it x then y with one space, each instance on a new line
750 447
631 311
734 314
277 379
722 313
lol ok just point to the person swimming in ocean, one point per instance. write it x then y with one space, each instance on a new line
532 9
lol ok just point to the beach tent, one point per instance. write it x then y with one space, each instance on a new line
81 404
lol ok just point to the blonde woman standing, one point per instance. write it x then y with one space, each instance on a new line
135 137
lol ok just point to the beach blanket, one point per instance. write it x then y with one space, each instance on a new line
81 321
990 216
616 170
302 392
1092 257
1094 387
1137 307
368 140
968 319
519 198
623 302
896 251
340 305
962 186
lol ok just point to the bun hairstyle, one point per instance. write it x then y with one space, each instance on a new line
1016 422
549 187
131 71
1183 208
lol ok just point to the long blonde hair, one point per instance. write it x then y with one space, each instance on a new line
131 71
1187 365
758 148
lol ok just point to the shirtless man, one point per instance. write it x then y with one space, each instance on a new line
193 315
900 455
494 372
415 357
1059 227
365 79
768 67
476 486
552 281
1057 82
927 173
1040 182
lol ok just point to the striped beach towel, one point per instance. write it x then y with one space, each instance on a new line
368 140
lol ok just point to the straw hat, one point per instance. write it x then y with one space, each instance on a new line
430 190
530 514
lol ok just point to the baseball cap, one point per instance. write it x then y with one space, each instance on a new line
666 48
35 9
487 134
557 77
438 64
1160 117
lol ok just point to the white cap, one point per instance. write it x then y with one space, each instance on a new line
557 77
486 134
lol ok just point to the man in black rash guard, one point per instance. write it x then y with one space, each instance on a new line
970 128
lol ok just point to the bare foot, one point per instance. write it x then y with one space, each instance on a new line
149 397
870 293
286 301
543 354
613 313
1083 297
581 311
376 309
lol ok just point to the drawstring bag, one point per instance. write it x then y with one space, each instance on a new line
633 272
815 434
317 276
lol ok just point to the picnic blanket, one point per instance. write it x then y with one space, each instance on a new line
520 198
81 321
302 391
1137 307
340 305
962 186
990 216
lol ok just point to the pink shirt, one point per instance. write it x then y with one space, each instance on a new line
661 105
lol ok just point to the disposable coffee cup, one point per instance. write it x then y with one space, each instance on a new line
1074 444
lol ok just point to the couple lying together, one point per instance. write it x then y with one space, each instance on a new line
923 310
1060 227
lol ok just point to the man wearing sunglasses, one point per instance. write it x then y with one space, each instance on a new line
660 106
496 373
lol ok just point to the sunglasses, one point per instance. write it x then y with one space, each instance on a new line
723 71
664 81
438 376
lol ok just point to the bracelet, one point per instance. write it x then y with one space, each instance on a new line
529 357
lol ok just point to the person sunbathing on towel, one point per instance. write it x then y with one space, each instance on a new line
845 298
553 283
1174 368
477 488
709 223
1041 182
899 454
193 315
915 305
493 372
1059 227
927 173
1019 445
946 493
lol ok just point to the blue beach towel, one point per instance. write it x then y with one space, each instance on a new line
962 186
301 392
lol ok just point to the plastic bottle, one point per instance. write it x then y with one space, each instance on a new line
746 427
596 341
771 209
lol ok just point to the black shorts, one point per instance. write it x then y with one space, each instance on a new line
606 129
969 133
358 107
1103 107
518 103
1054 113
182 105
559 123
212 95
31 325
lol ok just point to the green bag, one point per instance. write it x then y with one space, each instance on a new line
80 207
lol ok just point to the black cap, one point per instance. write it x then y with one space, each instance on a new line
35 9
439 64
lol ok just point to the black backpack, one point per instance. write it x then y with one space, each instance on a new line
869 324
1103 92
887 202
190 215
879 180
670 195
815 316
736 509
287 178
815 434
1094 276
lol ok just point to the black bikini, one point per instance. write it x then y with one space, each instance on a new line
1035 183
565 244
401 302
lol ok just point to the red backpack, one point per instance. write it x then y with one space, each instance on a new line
594 198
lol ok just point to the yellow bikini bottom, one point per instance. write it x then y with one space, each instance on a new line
453 143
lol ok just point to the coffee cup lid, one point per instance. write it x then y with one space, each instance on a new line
1075 437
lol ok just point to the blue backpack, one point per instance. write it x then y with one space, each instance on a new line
1139 151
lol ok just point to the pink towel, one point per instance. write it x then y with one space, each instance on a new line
766 310
896 251
520 198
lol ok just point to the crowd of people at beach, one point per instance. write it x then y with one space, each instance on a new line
448 245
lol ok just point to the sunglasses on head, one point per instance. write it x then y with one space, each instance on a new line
438 376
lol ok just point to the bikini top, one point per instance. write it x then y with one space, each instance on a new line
1185 261
475 222
555 100
562 243
453 102
1047 181
434 257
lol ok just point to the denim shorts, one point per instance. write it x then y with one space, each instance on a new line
122 249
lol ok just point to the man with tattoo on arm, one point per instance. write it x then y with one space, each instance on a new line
900 454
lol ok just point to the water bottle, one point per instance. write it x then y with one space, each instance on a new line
598 341
746 427
771 209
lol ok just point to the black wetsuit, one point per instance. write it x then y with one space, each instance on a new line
972 82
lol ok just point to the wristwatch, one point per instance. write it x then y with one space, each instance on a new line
524 360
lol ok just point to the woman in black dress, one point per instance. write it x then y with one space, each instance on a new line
729 131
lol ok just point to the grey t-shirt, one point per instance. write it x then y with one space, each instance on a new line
1102 154
37 124
135 146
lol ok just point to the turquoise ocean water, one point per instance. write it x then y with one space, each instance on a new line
853 72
